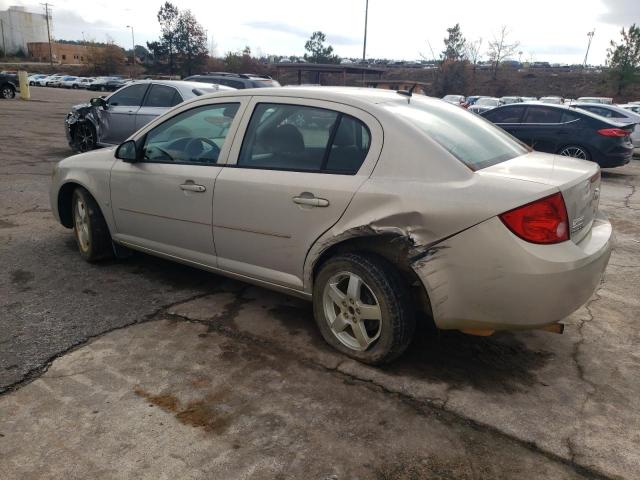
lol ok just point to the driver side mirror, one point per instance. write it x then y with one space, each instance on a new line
99 102
127 151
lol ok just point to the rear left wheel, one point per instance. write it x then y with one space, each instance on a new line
90 228
575 151
363 308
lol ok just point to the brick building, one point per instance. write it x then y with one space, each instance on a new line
63 53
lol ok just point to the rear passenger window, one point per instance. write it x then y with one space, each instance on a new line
542 115
505 115
302 138
569 117
162 96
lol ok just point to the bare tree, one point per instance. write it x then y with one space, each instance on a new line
500 49
472 51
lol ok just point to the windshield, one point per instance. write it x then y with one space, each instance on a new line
473 140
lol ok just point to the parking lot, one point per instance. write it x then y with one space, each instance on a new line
142 368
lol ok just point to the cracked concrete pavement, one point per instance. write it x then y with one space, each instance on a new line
147 369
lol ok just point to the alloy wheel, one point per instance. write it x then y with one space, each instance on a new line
81 224
85 140
575 152
7 92
352 311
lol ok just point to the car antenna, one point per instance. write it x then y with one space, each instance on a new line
407 93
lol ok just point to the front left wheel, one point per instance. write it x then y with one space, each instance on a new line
84 137
90 228
7 91
363 307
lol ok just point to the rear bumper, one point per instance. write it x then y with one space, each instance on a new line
487 278
616 157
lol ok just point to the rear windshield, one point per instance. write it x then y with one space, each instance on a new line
473 140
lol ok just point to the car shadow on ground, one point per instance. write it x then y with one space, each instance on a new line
502 363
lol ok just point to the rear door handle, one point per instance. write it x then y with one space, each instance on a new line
311 201
192 187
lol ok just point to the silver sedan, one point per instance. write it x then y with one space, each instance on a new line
382 208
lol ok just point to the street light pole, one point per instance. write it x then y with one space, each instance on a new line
46 12
366 19
590 35
133 51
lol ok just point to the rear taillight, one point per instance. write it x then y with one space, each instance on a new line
544 221
613 132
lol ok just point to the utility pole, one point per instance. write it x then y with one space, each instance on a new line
46 10
590 35
133 51
4 46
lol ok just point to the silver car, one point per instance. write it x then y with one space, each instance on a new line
616 113
382 208
110 120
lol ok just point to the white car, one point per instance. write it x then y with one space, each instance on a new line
67 82
454 99
382 208
603 100
634 107
33 79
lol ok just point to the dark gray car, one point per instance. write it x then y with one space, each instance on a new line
107 121
235 80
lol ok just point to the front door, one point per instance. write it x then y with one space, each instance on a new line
163 202
118 118
296 170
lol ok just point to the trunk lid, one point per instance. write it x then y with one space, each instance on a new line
578 180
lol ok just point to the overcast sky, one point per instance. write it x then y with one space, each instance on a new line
548 30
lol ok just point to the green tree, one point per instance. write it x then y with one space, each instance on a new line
318 53
190 42
168 17
624 59
454 45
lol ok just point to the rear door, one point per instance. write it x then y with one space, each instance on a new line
159 99
290 177
118 119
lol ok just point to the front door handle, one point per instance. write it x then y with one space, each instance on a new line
311 201
192 187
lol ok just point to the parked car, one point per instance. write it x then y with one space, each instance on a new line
508 100
635 108
467 227
529 99
604 100
470 100
106 84
8 85
566 131
42 82
108 121
82 82
552 100
34 78
235 80
617 114
484 104
454 99
68 82
52 80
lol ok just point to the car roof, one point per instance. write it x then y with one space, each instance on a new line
567 108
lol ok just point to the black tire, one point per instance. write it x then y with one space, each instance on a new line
90 230
572 151
383 280
7 91
84 137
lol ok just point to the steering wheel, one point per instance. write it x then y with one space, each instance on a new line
190 148
162 150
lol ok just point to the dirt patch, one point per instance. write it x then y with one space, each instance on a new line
21 278
7 224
